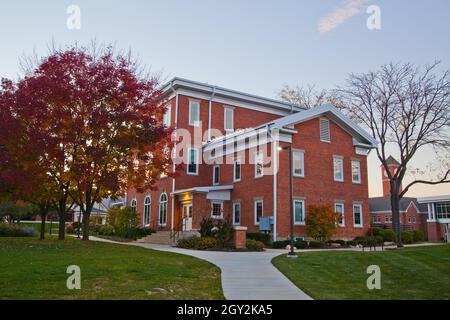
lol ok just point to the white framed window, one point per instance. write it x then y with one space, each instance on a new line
192 161
298 163
259 210
166 117
259 164
339 209
237 170
217 209
338 168
299 212
194 113
133 204
356 171
325 130
357 216
216 174
236 213
147 205
228 119
162 218
388 218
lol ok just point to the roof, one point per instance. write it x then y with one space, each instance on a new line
425 200
217 91
391 161
383 204
204 189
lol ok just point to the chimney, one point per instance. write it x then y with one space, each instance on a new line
393 166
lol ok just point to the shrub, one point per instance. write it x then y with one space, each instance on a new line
69 229
300 244
123 220
224 233
7 230
280 244
259 236
361 240
339 241
316 244
388 235
418 236
321 222
206 227
197 243
254 245
143 232
106 230
407 237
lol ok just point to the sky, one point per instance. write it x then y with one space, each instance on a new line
254 46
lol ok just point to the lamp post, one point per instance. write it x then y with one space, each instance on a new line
291 253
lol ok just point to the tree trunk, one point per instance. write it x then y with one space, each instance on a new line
86 218
395 208
62 226
42 235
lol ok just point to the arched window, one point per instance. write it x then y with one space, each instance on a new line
163 209
133 204
147 205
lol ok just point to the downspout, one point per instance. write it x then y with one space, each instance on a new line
174 153
275 182
209 112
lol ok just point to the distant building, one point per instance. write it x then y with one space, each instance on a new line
99 211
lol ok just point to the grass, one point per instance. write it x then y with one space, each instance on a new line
34 269
410 273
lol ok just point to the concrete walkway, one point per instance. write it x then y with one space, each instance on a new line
245 275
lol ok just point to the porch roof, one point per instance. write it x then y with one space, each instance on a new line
204 189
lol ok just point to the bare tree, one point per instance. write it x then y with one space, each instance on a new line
309 97
406 108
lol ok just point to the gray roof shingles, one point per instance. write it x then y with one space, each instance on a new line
384 204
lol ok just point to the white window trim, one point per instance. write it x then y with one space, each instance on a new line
329 130
159 209
197 122
361 212
214 175
301 223
133 203
302 152
167 114
225 110
256 156
221 209
149 211
341 159
234 170
343 213
196 161
234 213
255 209
359 171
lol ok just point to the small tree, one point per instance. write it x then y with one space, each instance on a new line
321 222
123 220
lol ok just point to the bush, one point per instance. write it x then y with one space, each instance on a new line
388 235
224 233
316 245
7 230
418 236
254 245
206 227
360 240
300 244
123 220
280 244
106 230
339 241
69 229
197 243
259 236
321 222
407 237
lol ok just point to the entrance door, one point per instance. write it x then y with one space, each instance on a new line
187 217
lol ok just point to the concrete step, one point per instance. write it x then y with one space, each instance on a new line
163 237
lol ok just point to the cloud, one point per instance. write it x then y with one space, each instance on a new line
348 9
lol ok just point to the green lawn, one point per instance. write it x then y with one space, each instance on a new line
410 273
34 269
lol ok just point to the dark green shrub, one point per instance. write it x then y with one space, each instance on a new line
388 235
316 244
259 236
418 236
7 230
206 227
224 233
339 241
301 244
254 245
106 230
407 237
197 243
352 243
280 244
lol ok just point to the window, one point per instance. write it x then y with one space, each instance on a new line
194 113
356 171
339 208
258 210
216 210
324 130
166 117
377 219
162 221
338 168
259 166
298 159
192 161
236 213
442 210
237 170
133 204
388 218
147 204
216 174
357 215
299 212
228 122
412 219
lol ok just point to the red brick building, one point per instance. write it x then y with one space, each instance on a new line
232 147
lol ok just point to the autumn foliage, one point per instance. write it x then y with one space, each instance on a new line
321 222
